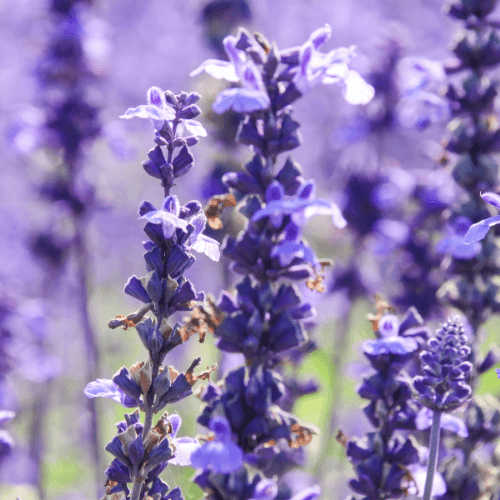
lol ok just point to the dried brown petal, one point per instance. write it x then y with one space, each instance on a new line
304 436
204 319
204 375
342 438
382 307
215 207
125 322
316 284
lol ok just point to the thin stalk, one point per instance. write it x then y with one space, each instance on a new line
42 398
92 355
433 454
148 418
136 490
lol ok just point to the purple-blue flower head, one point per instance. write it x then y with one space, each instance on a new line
478 231
219 455
247 99
333 67
160 111
443 387
300 208
172 217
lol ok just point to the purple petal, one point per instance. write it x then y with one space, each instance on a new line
160 216
103 388
195 128
388 325
184 448
320 36
208 246
6 416
241 100
458 248
274 192
357 90
478 231
155 97
492 199
221 427
176 422
392 345
149 111
220 457
251 77
307 191
266 489
222 70
419 473
236 56
308 494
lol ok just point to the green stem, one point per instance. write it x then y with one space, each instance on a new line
433 454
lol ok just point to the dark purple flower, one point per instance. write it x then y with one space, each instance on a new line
220 454
443 386
160 111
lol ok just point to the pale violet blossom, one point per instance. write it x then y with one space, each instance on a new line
247 99
158 110
419 81
168 218
480 229
331 67
309 65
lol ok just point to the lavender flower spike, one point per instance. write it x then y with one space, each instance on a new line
478 231
443 388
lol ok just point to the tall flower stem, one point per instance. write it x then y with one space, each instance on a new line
89 336
136 490
433 454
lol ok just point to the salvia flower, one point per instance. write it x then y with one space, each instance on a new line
219 454
443 386
382 458
479 230
143 450
305 67
6 442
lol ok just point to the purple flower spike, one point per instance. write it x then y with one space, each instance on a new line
443 387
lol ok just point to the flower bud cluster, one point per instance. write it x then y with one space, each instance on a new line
383 458
443 386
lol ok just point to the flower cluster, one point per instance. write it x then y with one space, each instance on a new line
142 450
263 320
385 459
445 367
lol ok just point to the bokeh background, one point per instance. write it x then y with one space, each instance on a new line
132 46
